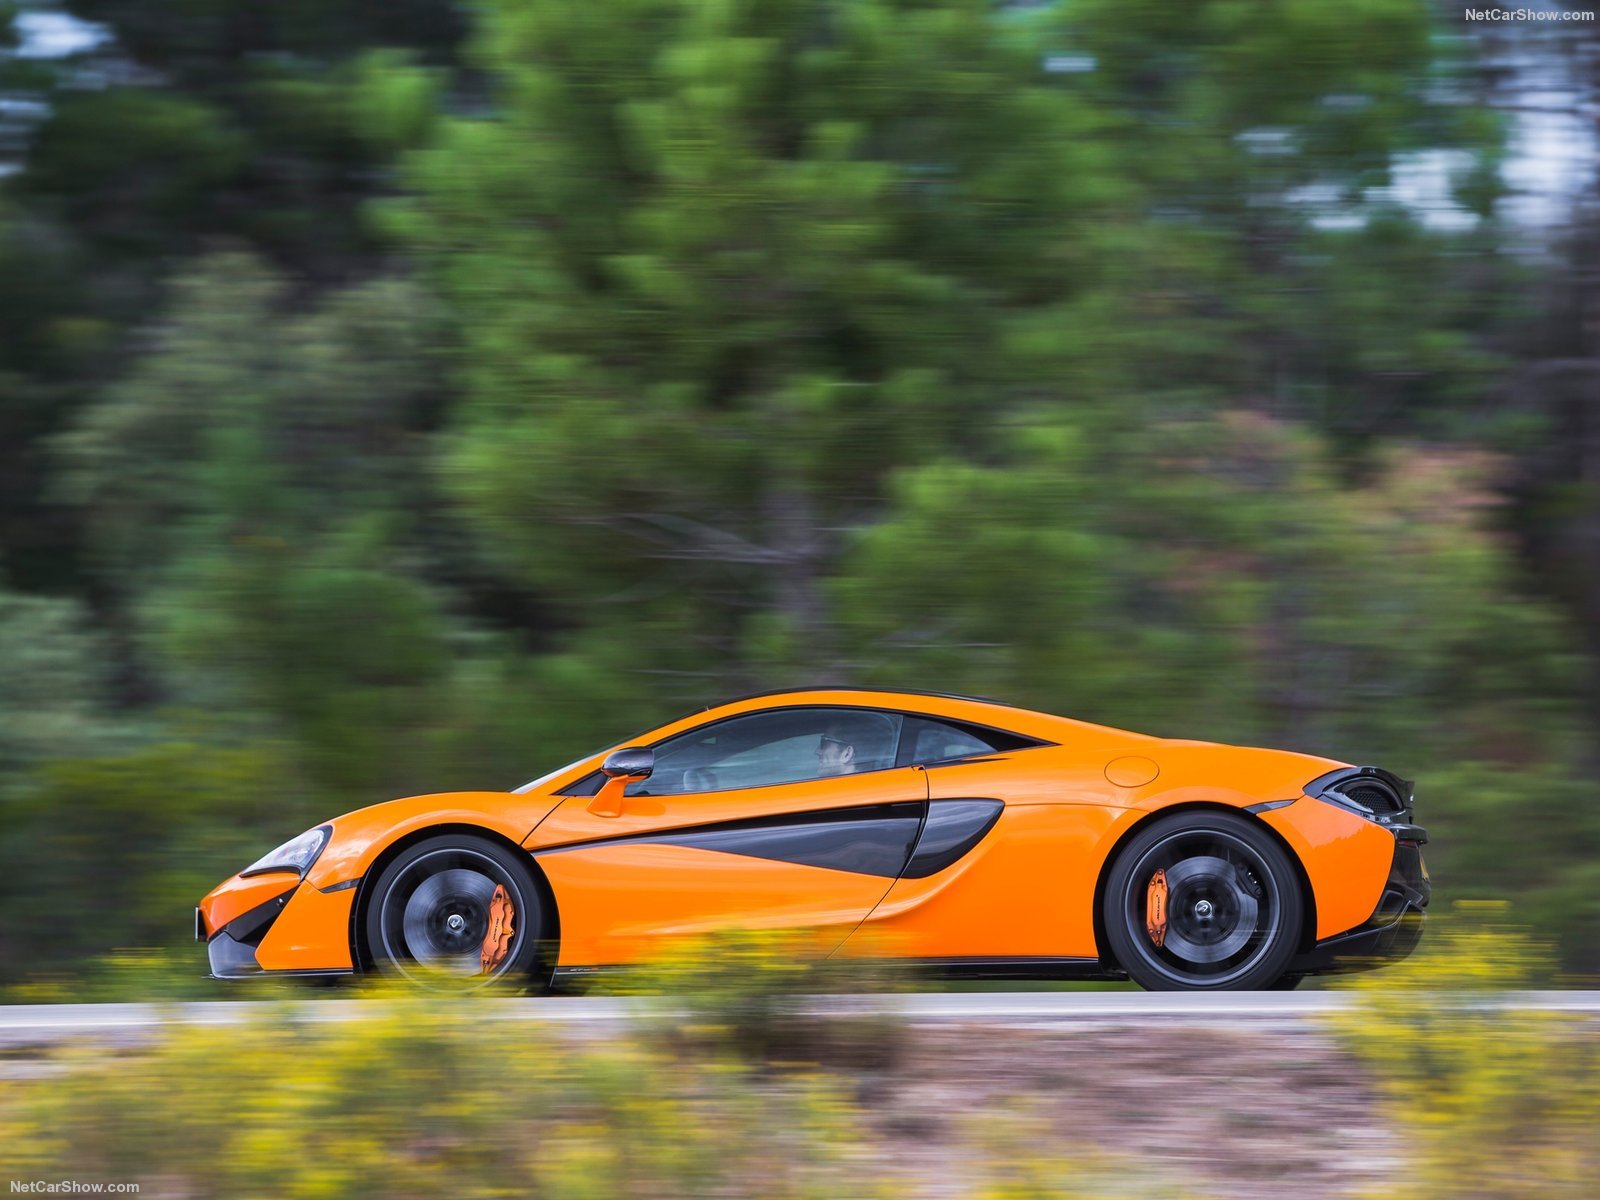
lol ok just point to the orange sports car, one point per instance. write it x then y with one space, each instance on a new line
965 834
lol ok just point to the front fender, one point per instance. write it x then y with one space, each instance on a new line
360 837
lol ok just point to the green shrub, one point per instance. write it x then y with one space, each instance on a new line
422 1098
752 993
1487 1102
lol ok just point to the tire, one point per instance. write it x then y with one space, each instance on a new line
430 912
1285 983
1233 905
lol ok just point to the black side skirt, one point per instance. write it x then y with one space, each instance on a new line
976 967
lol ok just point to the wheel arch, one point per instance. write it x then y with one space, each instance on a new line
549 934
1308 918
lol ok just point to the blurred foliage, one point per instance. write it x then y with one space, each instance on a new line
428 394
717 270
50 703
1492 1103
102 852
402 1095
417 1096
753 994
1209 577
155 134
214 120
721 270
429 1098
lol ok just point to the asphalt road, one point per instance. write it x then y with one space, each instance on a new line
26 1024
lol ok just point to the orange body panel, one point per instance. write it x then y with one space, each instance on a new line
238 895
360 836
618 900
1025 889
1345 856
1047 775
613 897
312 934
1231 774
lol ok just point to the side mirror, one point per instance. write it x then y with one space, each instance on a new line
622 767
631 762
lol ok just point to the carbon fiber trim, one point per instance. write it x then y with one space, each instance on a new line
248 928
952 829
870 840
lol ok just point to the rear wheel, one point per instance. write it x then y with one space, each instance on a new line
1203 901
455 909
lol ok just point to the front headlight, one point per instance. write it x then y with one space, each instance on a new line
295 855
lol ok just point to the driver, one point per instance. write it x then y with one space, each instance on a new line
836 751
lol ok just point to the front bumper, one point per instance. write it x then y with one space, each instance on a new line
231 959
297 930
1395 927
232 949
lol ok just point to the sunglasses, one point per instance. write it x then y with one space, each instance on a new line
830 741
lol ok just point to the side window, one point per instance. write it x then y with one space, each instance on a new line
782 746
935 741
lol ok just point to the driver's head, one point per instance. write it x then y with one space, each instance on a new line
836 751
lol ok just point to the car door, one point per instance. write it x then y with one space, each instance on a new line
786 818
1005 868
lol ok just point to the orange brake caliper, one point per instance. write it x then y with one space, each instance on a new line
498 940
1155 908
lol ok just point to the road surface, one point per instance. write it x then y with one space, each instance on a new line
27 1024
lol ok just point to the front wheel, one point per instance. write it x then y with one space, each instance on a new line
455 909
1203 901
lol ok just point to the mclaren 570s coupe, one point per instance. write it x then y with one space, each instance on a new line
965 835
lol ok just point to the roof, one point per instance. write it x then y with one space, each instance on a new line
851 687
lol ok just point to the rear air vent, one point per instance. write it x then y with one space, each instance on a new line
1370 789
1379 799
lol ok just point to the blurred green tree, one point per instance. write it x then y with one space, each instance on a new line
261 492
718 268
227 120
52 687
247 488
106 850
160 136
1319 185
1210 577
632 354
